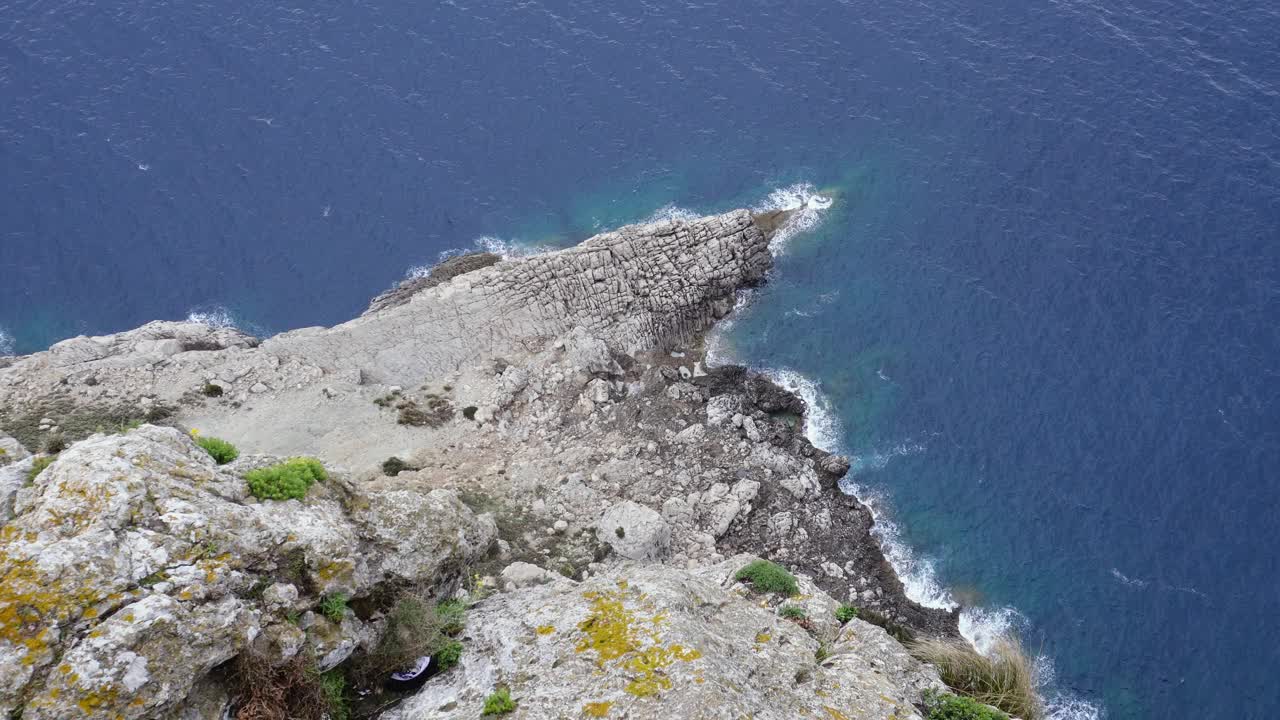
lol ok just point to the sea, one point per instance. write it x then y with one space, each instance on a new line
1033 286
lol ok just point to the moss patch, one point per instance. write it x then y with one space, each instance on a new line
288 480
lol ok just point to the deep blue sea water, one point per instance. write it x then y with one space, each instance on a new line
1042 308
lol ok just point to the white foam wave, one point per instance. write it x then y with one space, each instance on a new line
807 206
509 249
670 212
719 351
1061 705
918 573
821 424
216 316
982 627
6 342
1126 580
1068 707
878 459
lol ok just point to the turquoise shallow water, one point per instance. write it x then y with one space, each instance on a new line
1040 310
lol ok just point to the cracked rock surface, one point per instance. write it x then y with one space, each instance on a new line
555 430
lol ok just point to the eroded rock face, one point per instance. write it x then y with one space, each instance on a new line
133 565
653 641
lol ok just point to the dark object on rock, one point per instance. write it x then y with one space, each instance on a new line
393 466
413 677
442 273
211 390
469 412
201 345
434 412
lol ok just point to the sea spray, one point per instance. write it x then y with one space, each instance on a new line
670 212
505 249
6 342
821 424
807 206
213 316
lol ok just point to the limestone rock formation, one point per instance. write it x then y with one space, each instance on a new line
550 421
651 641
134 565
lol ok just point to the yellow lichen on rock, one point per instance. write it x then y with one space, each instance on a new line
621 637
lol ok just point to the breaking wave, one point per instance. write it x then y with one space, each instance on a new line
670 212
213 316
1061 705
6 342
821 424
505 249
981 626
808 210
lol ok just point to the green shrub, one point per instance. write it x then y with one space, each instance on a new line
792 612
289 480
334 606
416 627
945 706
1006 679
38 465
767 577
499 702
452 615
449 654
220 450
845 613
333 686
822 653
211 390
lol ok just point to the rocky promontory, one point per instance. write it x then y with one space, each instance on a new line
535 443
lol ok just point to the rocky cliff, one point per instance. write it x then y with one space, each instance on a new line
543 427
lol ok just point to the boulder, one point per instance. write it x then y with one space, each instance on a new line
634 531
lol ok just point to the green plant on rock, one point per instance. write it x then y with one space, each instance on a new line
334 606
452 615
945 706
449 654
499 702
416 627
1004 679
792 612
286 481
333 686
38 465
767 577
220 450
845 613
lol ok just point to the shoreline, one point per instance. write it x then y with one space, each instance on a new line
553 394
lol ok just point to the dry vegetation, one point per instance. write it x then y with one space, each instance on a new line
1005 679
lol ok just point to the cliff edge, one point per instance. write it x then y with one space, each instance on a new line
539 438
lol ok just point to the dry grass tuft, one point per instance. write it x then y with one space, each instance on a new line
1006 679
283 692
